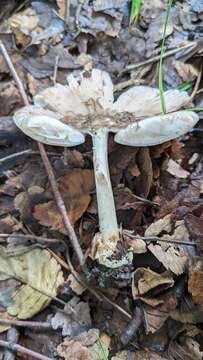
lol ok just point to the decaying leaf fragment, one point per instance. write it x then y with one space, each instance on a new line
145 281
171 258
87 346
63 114
195 283
39 274
75 188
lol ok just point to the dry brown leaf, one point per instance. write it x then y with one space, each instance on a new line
187 72
138 245
62 7
156 317
22 24
160 225
194 225
138 355
87 346
171 258
195 283
75 285
176 170
9 98
75 189
145 280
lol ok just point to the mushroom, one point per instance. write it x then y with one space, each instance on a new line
61 115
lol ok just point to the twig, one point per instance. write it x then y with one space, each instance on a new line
22 350
12 337
25 152
156 238
155 58
29 324
61 206
197 83
55 69
48 167
67 12
133 326
13 156
40 239
14 74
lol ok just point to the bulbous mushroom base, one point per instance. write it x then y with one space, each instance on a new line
112 252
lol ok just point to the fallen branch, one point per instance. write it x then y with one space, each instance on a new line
156 58
28 324
22 350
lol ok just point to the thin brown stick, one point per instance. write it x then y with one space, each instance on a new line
55 69
14 74
61 205
39 239
22 350
25 152
155 58
13 156
48 167
156 238
29 324
197 83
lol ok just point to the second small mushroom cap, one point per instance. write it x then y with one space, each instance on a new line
62 114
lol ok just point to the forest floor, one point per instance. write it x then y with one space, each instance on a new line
50 307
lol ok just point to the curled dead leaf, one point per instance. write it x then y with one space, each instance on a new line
146 280
75 189
195 283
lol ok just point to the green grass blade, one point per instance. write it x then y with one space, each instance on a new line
161 87
135 10
185 86
195 109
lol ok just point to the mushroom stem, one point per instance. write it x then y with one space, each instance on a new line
109 230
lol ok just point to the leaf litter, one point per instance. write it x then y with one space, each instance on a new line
157 190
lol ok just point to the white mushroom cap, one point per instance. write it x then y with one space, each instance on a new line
45 126
86 104
158 129
145 101
85 94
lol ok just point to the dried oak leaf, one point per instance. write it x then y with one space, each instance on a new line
195 283
156 317
87 346
189 351
194 225
171 258
75 189
176 170
39 273
146 281
138 355
9 98
160 225
76 287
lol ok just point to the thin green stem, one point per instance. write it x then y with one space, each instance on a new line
161 87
